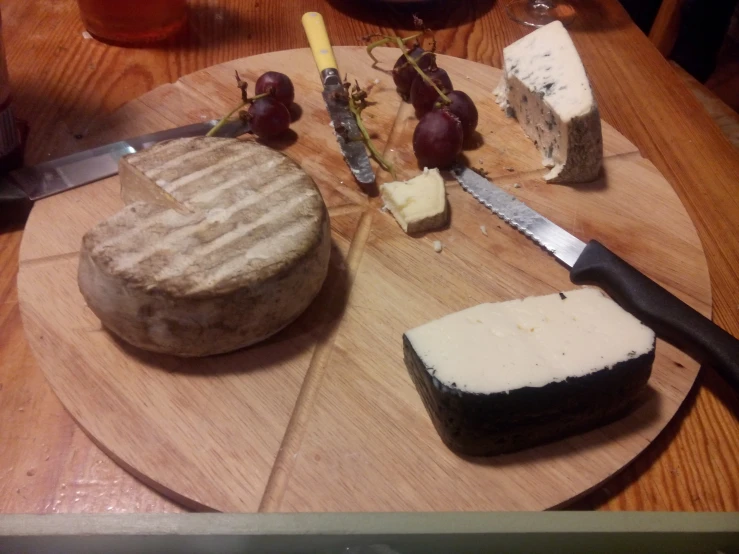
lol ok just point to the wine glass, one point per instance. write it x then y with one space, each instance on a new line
537 13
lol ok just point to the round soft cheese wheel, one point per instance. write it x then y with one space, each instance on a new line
222 243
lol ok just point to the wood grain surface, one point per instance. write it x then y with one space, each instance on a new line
65 85
323 417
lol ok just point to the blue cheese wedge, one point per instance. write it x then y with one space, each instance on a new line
501 377
418 204
222 243
545 87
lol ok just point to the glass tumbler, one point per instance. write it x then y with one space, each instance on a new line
133 22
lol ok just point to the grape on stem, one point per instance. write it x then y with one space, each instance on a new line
404 73
423 94
437 139
464 108
278 85
268 117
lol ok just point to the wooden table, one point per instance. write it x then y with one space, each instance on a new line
65 83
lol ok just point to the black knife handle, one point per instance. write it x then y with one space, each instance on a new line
669 317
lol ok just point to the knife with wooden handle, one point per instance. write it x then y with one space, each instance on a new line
592 263
345 125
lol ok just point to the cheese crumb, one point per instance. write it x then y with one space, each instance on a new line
86 35
484 230
517 186
438 246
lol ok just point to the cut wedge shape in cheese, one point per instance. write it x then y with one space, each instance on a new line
222 243
418 204
545 86
502 377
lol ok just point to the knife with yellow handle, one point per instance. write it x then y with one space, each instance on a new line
345 125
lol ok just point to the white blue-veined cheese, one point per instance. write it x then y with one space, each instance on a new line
545 87
222 243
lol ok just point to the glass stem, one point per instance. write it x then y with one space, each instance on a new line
542 4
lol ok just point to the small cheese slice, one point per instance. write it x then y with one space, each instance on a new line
222 243
545 86
418 204
505 376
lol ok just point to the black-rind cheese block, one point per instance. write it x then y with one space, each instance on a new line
501 377
477 424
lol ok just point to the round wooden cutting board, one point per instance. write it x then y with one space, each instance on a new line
323 416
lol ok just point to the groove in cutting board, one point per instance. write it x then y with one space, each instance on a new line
46 259
344 209
295 428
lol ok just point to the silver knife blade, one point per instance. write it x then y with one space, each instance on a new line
81 168
346 129
565 247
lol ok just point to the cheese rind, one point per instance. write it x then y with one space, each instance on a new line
501 377
224 243
545 86
418 204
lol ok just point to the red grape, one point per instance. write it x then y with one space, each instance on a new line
404 73
284 92
464 108
268 117
437 139
423 95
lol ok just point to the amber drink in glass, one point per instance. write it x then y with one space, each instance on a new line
133 22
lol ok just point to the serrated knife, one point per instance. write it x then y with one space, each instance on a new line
592 263
345 125
88 166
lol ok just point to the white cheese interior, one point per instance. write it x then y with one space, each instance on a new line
547 61
500 347
419 203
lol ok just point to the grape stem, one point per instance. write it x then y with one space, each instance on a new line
406 64
444 97
387 166
385 40
401 44
356 105
224 119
